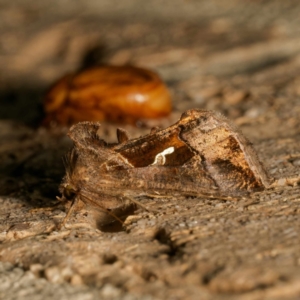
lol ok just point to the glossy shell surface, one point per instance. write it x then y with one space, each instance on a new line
122 94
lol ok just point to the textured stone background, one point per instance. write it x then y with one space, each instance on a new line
237 57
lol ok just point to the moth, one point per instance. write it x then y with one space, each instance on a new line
202 154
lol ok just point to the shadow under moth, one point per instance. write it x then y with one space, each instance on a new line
201 155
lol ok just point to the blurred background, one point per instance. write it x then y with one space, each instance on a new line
238 57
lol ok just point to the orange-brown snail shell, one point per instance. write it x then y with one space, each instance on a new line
113 93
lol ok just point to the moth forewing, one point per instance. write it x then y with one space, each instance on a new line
202 154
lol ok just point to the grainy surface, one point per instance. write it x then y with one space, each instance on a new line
237 57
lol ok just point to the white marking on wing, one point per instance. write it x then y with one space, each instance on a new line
160 158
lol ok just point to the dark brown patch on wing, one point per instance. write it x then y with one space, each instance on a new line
143 151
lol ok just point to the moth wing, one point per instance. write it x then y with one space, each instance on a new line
90 147
228 155
85 136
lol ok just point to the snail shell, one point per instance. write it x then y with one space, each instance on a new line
112 93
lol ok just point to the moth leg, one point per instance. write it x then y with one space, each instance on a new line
70 211
106 210
140 204
112 214
226 198
159 196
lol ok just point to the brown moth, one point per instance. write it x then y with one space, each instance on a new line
202 155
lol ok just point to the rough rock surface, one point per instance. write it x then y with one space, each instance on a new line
237 57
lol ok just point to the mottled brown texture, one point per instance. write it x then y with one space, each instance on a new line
200 155
240 58
114 93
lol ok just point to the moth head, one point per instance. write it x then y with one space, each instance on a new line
68 191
